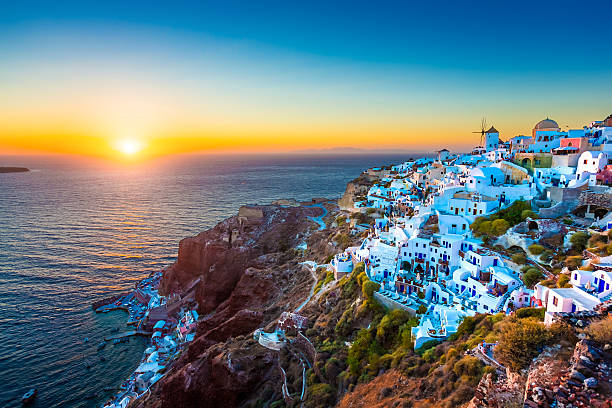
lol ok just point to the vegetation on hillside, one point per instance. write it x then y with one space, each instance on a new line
497 224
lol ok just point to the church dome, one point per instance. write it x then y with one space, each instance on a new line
546 124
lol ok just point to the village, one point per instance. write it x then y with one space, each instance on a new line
459 234
170 323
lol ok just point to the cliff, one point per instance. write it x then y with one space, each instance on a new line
220 256
246 272
356 190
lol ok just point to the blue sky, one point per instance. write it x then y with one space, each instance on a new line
336 69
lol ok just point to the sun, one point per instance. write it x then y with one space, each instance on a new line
129 147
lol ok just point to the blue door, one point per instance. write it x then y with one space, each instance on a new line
600 288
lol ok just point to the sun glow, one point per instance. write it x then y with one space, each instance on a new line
129 147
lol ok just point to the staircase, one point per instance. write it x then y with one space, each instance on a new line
606 298
503 302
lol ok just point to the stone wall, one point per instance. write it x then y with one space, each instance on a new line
391 304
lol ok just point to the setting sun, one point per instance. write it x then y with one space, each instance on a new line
129 147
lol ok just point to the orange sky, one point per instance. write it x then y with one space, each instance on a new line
84 91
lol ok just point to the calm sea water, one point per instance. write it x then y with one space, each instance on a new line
74 231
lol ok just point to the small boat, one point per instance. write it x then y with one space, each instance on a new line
29 396
101 345
86 339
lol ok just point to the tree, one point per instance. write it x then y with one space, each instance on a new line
422 309
531 277
579 240
499 227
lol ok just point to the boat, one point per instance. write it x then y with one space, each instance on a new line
101 345
29 396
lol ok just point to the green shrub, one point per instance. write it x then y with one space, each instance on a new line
536 249
528 214
520 342
393 326
573 262
328 278
549 283
321 395
426 346
519 258
469 366
499 227
563 281
512 215
368 288
579 240
526 312
531 277
422 309
467 326
601 331
546 256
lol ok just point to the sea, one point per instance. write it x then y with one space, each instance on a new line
75 230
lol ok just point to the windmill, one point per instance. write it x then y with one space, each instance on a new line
483 130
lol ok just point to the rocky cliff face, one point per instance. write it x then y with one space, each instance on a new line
246 274
558 377
354 189
223 375
219 257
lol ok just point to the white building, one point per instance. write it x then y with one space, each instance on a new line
591 162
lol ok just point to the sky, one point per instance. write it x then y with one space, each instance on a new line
153 78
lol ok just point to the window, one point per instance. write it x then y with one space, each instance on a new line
575 276
485 307
555 300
